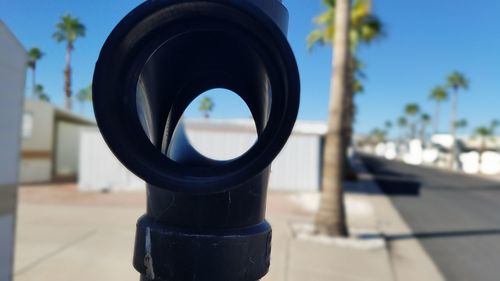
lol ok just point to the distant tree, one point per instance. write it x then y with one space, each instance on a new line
206 106
484 133
455 81
439 94
402 124
388 127
34 55
425 120
84 95
461 124
377 135
411 110
40 93
494 125
68 30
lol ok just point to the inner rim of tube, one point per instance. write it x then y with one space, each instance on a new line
184 67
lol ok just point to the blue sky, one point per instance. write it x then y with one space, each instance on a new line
425 41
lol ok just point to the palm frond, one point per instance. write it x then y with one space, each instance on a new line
85 94
412 109
439 94
357 87
325 18
69 29
315 37
457 80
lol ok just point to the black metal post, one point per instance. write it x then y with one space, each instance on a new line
205 219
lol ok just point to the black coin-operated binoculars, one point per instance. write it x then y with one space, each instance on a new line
205 219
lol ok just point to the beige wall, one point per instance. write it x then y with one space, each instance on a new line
37 142
41 138
35 170
50 142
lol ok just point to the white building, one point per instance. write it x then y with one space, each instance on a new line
297 167
13 59
50 142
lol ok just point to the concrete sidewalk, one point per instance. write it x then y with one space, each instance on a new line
67 235
301 257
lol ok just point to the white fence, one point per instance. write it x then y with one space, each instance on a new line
297 167
99 169
413 152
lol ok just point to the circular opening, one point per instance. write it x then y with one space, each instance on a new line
223 89
219 125
161 58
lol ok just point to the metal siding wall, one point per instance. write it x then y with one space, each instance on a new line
99 169
295 169
67 148
297 166
221 145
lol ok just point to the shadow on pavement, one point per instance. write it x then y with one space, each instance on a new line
429 235
391 183
489 188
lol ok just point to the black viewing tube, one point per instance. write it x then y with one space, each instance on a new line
205 218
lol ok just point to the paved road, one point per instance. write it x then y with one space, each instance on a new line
455 217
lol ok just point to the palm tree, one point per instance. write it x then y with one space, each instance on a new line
402 124
68 30
439 94
40 93
461 124
388 126
425 120
377 136
206 106
362 27
411 110
483 133
365 28
34 55
455 81
494 124
84 95
330 218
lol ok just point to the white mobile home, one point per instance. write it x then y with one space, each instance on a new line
50 142
297 167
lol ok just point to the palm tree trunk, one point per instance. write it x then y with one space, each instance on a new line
33 81
422 133
454 101
413 130
482 148
330 219
67 77
348 120
436 119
